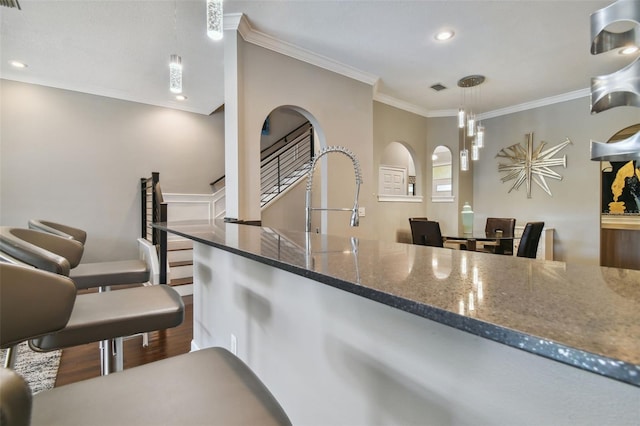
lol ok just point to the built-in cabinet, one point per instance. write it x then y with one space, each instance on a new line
620 242
620 216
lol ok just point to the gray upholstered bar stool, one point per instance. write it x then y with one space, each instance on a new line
98 274
97 317
210 386
101 275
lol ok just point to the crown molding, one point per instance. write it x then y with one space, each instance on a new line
113 94
239 22
400 104
576 94
251 35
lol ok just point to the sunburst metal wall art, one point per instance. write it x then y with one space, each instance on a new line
529 165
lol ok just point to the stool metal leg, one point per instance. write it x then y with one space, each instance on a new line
119 354
10 357
105 357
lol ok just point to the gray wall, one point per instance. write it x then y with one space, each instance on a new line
391 124
574 208
281 122
340 109
78 159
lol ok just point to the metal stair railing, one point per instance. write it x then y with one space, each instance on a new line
154 209
282 163
285 162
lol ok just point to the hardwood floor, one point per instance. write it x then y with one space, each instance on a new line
83 362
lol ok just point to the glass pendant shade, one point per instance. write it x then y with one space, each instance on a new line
464 160
175 74
475 152
480 137
214 19
461 119
471 125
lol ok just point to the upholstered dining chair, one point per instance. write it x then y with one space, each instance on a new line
507 226
415 238
530 238
426 233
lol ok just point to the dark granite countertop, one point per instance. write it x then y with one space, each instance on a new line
581 315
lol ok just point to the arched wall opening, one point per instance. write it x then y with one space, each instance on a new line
286 211
400 172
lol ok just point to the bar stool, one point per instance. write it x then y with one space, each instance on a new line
97 317
91 275
210 386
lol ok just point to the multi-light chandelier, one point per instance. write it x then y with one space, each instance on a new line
471 128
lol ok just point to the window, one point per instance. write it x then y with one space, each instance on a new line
441 186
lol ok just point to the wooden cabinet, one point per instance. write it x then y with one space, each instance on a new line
620 242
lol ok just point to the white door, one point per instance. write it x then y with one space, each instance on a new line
392 181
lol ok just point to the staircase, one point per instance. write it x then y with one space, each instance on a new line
285 162
180 258
269 194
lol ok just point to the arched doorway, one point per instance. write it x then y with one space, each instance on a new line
290 135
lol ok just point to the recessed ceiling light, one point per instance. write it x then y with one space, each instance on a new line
18 64
444 35
630 50
181 98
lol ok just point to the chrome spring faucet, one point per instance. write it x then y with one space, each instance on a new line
355 220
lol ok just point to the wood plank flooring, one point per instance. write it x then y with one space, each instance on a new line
83 362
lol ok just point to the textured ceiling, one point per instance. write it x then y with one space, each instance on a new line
528 50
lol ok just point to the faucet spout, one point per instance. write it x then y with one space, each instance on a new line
355 219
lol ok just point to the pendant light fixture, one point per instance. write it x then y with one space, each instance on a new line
175 61
175 74
469 127
214 19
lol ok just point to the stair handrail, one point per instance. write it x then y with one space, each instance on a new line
283 141
282 164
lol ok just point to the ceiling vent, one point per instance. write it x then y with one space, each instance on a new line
438 87
10 3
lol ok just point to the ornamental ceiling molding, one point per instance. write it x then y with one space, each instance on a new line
529 165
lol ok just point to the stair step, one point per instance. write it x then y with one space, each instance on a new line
180 263
180 256
182 271
181 281
175 245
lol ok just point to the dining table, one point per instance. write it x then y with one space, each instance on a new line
470 240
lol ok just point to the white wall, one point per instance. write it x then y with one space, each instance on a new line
574 208
78 159
334 358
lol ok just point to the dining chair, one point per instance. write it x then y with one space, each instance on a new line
530 238
415 237
507 226
426 233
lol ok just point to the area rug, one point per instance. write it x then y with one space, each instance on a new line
39 369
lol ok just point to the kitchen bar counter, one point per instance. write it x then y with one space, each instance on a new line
584 316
